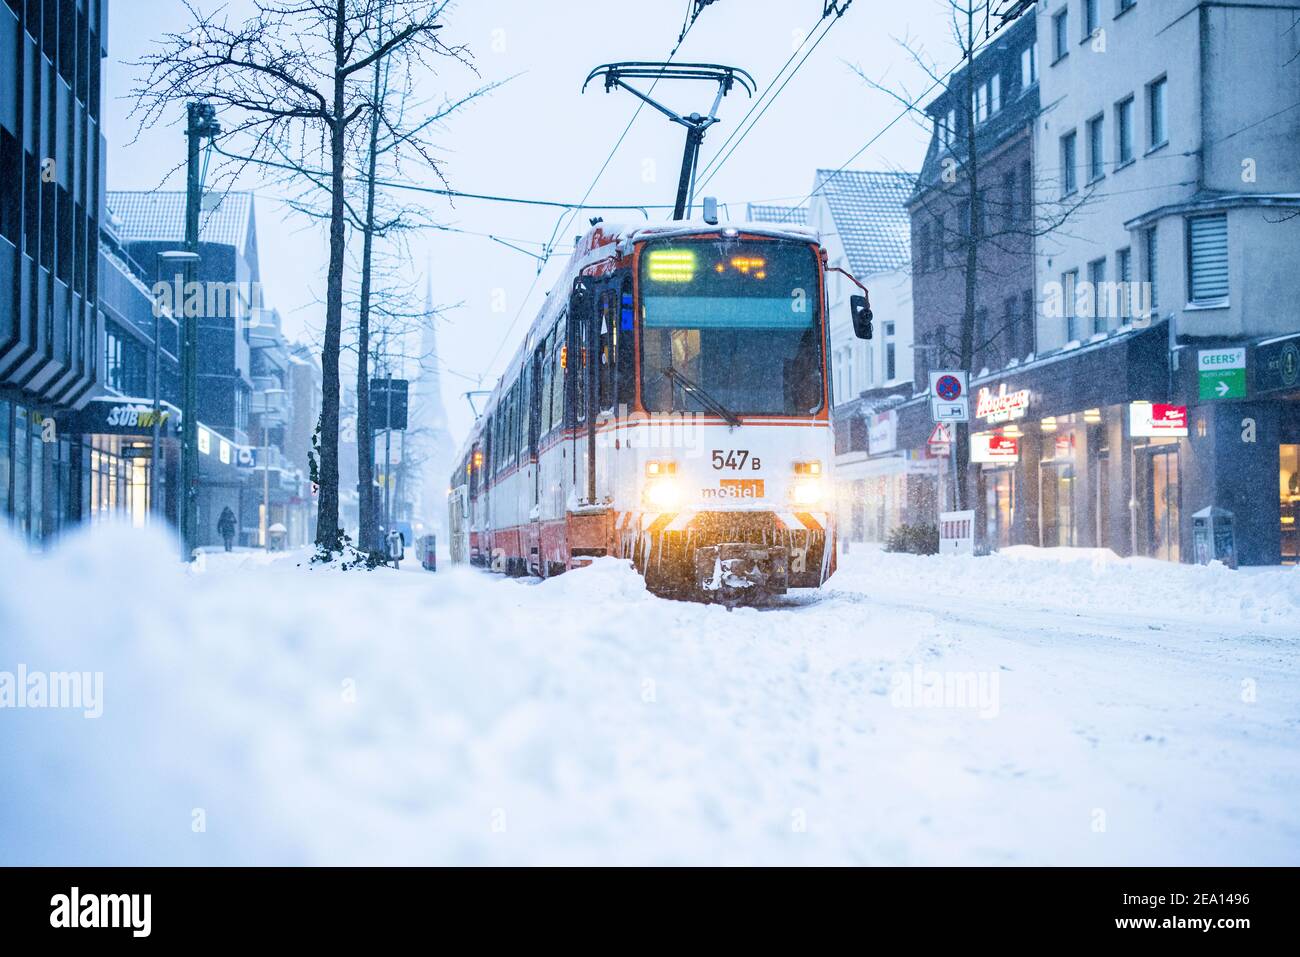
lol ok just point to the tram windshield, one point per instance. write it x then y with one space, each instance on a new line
732 323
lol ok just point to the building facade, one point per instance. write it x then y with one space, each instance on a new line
1171 124
51 162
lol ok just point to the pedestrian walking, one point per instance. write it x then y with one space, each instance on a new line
226 527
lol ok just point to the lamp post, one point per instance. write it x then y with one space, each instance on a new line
200 124
179 259
264 524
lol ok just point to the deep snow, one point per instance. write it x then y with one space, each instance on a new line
1098 711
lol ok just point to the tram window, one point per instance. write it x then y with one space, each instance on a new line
578 367
624 342
608 320
557 389
525 408
548 379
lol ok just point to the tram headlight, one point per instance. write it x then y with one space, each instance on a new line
807 491
661 488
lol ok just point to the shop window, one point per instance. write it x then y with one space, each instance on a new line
1289 489
1163 504
6 457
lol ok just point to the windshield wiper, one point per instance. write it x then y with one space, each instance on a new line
706 400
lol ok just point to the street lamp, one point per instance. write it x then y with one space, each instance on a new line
178 258
264 523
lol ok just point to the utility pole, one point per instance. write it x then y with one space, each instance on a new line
201 123
178 259
388 457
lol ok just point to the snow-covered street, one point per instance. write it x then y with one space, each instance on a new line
1029 707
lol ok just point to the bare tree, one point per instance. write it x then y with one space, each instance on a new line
971 234
291 83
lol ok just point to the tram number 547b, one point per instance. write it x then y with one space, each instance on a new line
735 459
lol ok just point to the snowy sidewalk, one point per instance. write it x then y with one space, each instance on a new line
1021 708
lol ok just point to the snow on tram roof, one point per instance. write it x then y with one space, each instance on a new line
634 232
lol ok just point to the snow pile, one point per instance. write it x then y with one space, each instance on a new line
1082 580
259 710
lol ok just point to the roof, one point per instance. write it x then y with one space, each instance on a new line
159 216
870 214
763 213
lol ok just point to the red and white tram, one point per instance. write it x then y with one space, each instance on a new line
670 405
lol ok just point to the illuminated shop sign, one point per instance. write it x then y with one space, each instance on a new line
1001 406
205 442
988 447
1155 419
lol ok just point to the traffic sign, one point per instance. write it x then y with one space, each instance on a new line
940 441
948 398
1221 373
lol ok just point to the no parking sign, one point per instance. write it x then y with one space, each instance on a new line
948 400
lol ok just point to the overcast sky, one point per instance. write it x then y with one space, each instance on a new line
538 137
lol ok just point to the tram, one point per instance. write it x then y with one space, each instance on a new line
670 405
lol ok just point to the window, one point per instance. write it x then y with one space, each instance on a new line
995 93
1124 131
1101 305
608 323
1028 66
889 352
1060 35
979 103
559 357
1124 273
1069 289
1068 174
1207 267
1025 338
946 128
1096 149
1010 323
1027 189
114 361
1091 19
1151 254
624 347
1156 111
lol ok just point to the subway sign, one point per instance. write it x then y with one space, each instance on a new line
112 416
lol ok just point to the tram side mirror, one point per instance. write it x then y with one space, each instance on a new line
580 299
861 310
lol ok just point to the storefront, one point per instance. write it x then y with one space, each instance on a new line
38 472
881 486
114 442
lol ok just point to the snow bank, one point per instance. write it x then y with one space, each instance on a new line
1080 580
257 710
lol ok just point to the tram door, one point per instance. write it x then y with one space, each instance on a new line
532 543
577 388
